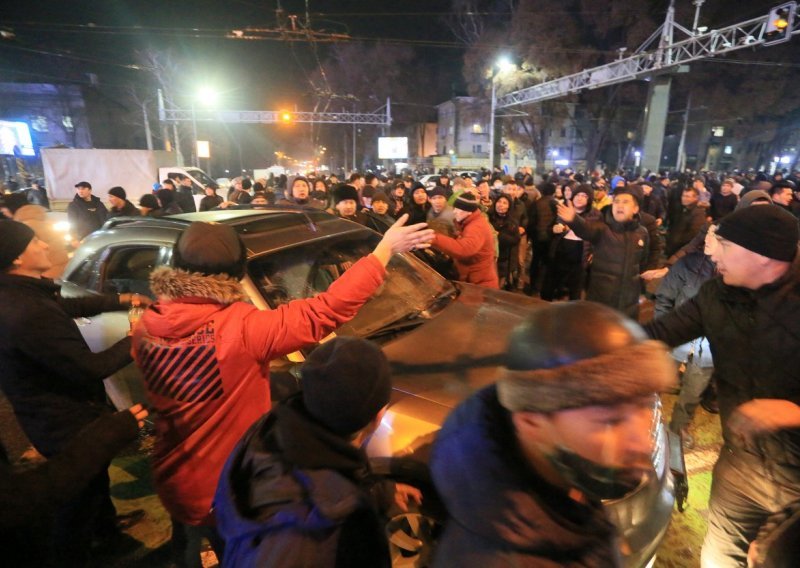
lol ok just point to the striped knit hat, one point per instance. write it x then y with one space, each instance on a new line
466 202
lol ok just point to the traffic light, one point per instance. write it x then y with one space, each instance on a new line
780 23
286 116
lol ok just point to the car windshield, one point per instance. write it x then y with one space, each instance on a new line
411 292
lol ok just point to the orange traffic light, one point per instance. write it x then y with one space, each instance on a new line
286 116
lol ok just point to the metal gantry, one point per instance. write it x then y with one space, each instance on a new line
380 117
668 56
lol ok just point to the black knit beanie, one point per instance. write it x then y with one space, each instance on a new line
346 382
466 202
14 239
768 231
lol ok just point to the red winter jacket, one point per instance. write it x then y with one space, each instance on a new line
472 251
205 357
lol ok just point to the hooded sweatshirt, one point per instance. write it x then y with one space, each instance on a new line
503 513
204 353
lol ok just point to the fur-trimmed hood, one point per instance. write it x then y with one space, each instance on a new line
174 283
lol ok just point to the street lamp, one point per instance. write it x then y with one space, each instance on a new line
207 97
504 63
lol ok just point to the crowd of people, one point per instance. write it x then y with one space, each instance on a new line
521 466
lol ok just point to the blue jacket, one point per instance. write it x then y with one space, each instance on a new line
501 513
293 494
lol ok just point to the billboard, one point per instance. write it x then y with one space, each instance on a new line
15 139
392 148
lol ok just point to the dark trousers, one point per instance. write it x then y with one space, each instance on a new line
564 271
187 542
539 262
744 493
88 513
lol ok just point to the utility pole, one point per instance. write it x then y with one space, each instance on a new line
681 161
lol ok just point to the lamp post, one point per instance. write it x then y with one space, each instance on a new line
502 64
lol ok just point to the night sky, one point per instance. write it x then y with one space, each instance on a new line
103 35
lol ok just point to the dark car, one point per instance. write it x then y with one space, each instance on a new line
444 340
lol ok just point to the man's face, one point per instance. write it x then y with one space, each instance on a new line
647 189
259 201
420 196
726 189
116 202
438 203
698 185
380 207
689 198
444 180
209 191
624 207
346 208
617 436
737 265
483 189
459 215
510 189
359 184
34 258
783 196
300 189
84 193
186 182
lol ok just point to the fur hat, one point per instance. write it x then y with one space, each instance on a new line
578 354
343 192
346 382
210 248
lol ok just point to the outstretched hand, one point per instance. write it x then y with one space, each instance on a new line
403 238
566 212
404 494
139 413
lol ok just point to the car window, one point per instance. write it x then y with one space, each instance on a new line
86 274
411 287
127 270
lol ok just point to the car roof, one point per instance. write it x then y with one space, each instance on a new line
262 230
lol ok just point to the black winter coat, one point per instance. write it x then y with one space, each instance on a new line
754 338
502 513
184 197
128 210
86 216
508 239
620 255
50 376
683 226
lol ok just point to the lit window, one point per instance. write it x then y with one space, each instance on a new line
477 129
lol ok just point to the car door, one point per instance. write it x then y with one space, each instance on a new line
116 269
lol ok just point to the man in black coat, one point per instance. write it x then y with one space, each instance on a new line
621 247
184 195
52 379
524 464
120 206
750 314
686 222
86 213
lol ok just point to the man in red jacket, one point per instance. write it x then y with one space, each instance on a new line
205 352
473 250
